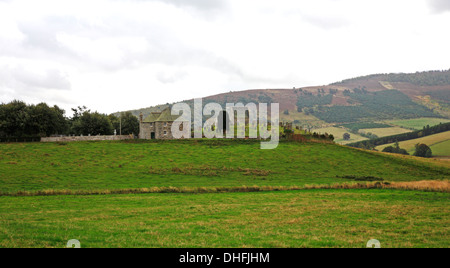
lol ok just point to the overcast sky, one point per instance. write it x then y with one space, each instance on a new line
113 55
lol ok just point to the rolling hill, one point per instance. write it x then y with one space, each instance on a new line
380 98
438 142
218 193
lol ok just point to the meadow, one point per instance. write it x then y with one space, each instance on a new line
219 193
419 123
313 218
385 132
441 148
338 133
306 120
194 163
438 143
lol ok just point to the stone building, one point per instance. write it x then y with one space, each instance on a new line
158 125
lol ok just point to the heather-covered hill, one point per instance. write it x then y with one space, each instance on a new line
370 98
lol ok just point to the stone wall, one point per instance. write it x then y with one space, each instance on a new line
162 127
86 138
158 128
146 130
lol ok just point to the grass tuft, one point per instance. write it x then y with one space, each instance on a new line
429 186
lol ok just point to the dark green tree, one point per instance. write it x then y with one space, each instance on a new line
422 150
92 124
347 136
14 118
130 123
46 121
78 112
17 119
395 149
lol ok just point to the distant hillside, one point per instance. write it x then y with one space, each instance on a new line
426 131
368 99
431 78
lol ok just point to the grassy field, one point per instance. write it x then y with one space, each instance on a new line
273 218
418 124
125 165
314 218
438 141
338 133
384 132
305 120
442 148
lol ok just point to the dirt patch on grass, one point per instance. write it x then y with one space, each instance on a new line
208 171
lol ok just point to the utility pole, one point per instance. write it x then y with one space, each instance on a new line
120 124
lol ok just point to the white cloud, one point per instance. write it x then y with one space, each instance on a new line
440 6
199 4
24 75
120 54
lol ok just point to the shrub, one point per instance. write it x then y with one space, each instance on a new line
347 136
422 150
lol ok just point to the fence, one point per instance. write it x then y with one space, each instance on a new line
87 138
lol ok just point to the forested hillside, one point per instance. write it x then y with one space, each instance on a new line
368 99
431 78
380 105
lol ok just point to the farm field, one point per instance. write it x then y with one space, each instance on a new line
206 163
205 217
437 140
384 132
305 120
441 149
419 123
313 218
339 133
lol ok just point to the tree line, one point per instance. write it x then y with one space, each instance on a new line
430 78
422 150
18 119
427 131
380 105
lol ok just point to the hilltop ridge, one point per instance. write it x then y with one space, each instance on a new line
399 96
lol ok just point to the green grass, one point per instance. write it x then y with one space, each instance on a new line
358 126
432 140
385 132
418 124
441 149
313 218
302 218
338 133
305 120
128 165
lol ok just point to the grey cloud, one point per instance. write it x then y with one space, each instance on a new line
19 78
53 79
198 4
40 40
41 34
439 6
165 47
